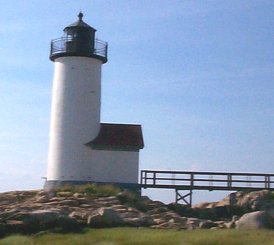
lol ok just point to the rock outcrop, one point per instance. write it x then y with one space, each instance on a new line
257 220
237 203
252 201
34 211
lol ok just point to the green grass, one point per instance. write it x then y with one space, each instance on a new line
142 236
92 189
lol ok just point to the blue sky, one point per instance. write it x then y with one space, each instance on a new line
198 75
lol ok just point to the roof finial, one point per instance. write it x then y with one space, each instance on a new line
80 15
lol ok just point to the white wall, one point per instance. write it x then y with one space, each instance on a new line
75 115
115 166
103 166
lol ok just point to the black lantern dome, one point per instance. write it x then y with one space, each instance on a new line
79 40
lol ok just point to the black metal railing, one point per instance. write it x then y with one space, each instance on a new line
187 180
67 45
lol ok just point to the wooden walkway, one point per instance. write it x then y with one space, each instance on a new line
193 180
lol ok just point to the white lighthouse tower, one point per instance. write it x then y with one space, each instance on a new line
81 148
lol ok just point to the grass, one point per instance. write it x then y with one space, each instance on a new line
143 236
91 189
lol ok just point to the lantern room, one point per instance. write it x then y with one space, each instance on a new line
79 40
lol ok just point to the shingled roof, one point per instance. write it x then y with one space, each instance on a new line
118 137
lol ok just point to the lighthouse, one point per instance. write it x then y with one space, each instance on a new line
82 149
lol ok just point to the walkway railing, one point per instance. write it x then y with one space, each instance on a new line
68 45
193 180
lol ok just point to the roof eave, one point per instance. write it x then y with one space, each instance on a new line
114 148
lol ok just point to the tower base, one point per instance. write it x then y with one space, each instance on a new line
55 184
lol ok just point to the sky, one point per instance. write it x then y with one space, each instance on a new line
198 75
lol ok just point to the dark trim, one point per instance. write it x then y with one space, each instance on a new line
112 148
67 54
